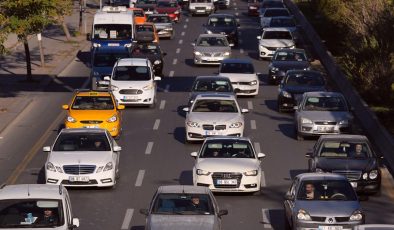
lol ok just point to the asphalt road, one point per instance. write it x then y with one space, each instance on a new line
154 150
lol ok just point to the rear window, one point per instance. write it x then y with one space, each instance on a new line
277 35
246 68
131 73
183 204
276 13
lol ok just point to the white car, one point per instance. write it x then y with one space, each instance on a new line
83 157
201 7
242 75
22 206
228 164
133 82
273 39
269 13
213 115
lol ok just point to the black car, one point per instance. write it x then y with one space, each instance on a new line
225 24
149 6
284 60
295 83
209 85
349 155
151 51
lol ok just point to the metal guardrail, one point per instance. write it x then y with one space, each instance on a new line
376 133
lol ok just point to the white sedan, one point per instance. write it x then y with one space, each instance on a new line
228 164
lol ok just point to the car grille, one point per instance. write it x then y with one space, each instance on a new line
271 48
241 83
79 169
226 175
212 127
212 54
325 122
91 122
350 175
318 218
323 219
200 8
220 127
130 91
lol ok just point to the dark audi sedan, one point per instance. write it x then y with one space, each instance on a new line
294 84
349 155
151 51
284 60
225 24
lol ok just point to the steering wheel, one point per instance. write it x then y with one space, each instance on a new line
338 196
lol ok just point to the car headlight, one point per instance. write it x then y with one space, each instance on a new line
71 119
251 173
208 32
303 215
113 118
96 45
114 88
108 166
253 82
226 53
356 216
292 47
197 53
202 172
252 7
157 62
274 69
96 74
148 87
286 94
236 125
192 124
100 169
59 169
344 122
51 167
208 7
306 121
365 176
373 174
319 170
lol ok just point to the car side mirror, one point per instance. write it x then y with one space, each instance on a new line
46 148
222 213
75 223
88 37
258 37
244 110
295 107
260 155
193 154
121 107
107 78
65 107
144 212
157 78
236 90
308 155
289 197
186 109
117 148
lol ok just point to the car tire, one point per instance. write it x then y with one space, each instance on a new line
287 224
280 109
153 105
299 136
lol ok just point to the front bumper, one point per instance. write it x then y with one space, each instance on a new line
208 60
316 130
147 97
101 179
113 128
246 89
367 186
314 225
201 11
265 52
246 184
198 134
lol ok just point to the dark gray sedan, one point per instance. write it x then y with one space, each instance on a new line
210 85
211 49
322 201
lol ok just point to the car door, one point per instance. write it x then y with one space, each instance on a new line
289 204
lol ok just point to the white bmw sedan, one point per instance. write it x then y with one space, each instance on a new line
228 164
214 115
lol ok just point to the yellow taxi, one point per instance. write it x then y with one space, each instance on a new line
94 109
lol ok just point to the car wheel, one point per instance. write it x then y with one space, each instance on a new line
299 136
153 105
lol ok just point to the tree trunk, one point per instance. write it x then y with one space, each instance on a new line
28 60
66 31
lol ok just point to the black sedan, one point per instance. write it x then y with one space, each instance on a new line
210 85
295 83
349 155
284 60
151 51
225 24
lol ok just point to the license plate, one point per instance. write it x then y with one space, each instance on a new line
78 178
113 44
103 82
226 182
211 59
330 228
91 126
130 97
325 129
354 184
212 133
200 11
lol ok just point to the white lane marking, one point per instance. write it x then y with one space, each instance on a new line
185 26
175 61
262 182
156 125
171 74
85 84
149 147
236 13
250 105
140 178
241 51
253 124
167 88
183 33
266 218
127 218
186 20
257 147
162 104
235 8
64 85
180 41
178 50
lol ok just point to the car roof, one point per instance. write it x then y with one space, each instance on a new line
323 94
132 62
295 71
211 35
284 29
227 138
237 60
217 77
320 176
188 189
290 50
32 191
216 96
221 15
343 137
92 93
83 130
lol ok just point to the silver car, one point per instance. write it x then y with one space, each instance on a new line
179 207
322 113
211 49
322 201
164 25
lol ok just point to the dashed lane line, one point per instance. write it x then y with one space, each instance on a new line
180 41
257 147
127 218
171 74
186 20
236 13
185 26
250 105
175 61
140 178
266 218
162 104
178 50
241 51
149 147
263 183
156 125
167 88
183 33
253 124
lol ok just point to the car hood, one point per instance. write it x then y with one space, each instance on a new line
129 84
219 29
91 114
182 222
227 164
83 158
303 89
160 26
211 49
328 208
276 43
210 118
237 77
330 164
288 65
166 10
326 115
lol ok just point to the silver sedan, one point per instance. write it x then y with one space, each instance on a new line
211 49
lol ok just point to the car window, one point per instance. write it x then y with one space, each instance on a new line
217 106
167 4
93 103
345 149
290 56
159 19
282 22
183 204
324 103
300 79
212 86
221 21
144 28
227 149
108 59
246 68
146 1
276 13
138 13
82 142
277 35
131 73
212 41
326 190
31 213
112 31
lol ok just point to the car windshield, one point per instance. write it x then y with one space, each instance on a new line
82 142
131 73
146 1
300 79
324 103
215 106
246 68
112 31
200 1
282 22
277 35
221 21
167 4
139 13
93 103
108 59
208 85
289 56
144 28
146 49
272 4
326 190
31 213
276 13
227 149
183 204
212 41
120 3
159 19
345 149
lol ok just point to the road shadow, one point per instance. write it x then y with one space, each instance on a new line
179 134
288 130
186 177
137 228
40 176
294 172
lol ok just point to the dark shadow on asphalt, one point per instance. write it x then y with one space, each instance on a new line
295 172
137 228
179 134
186 178
41 176
287 130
